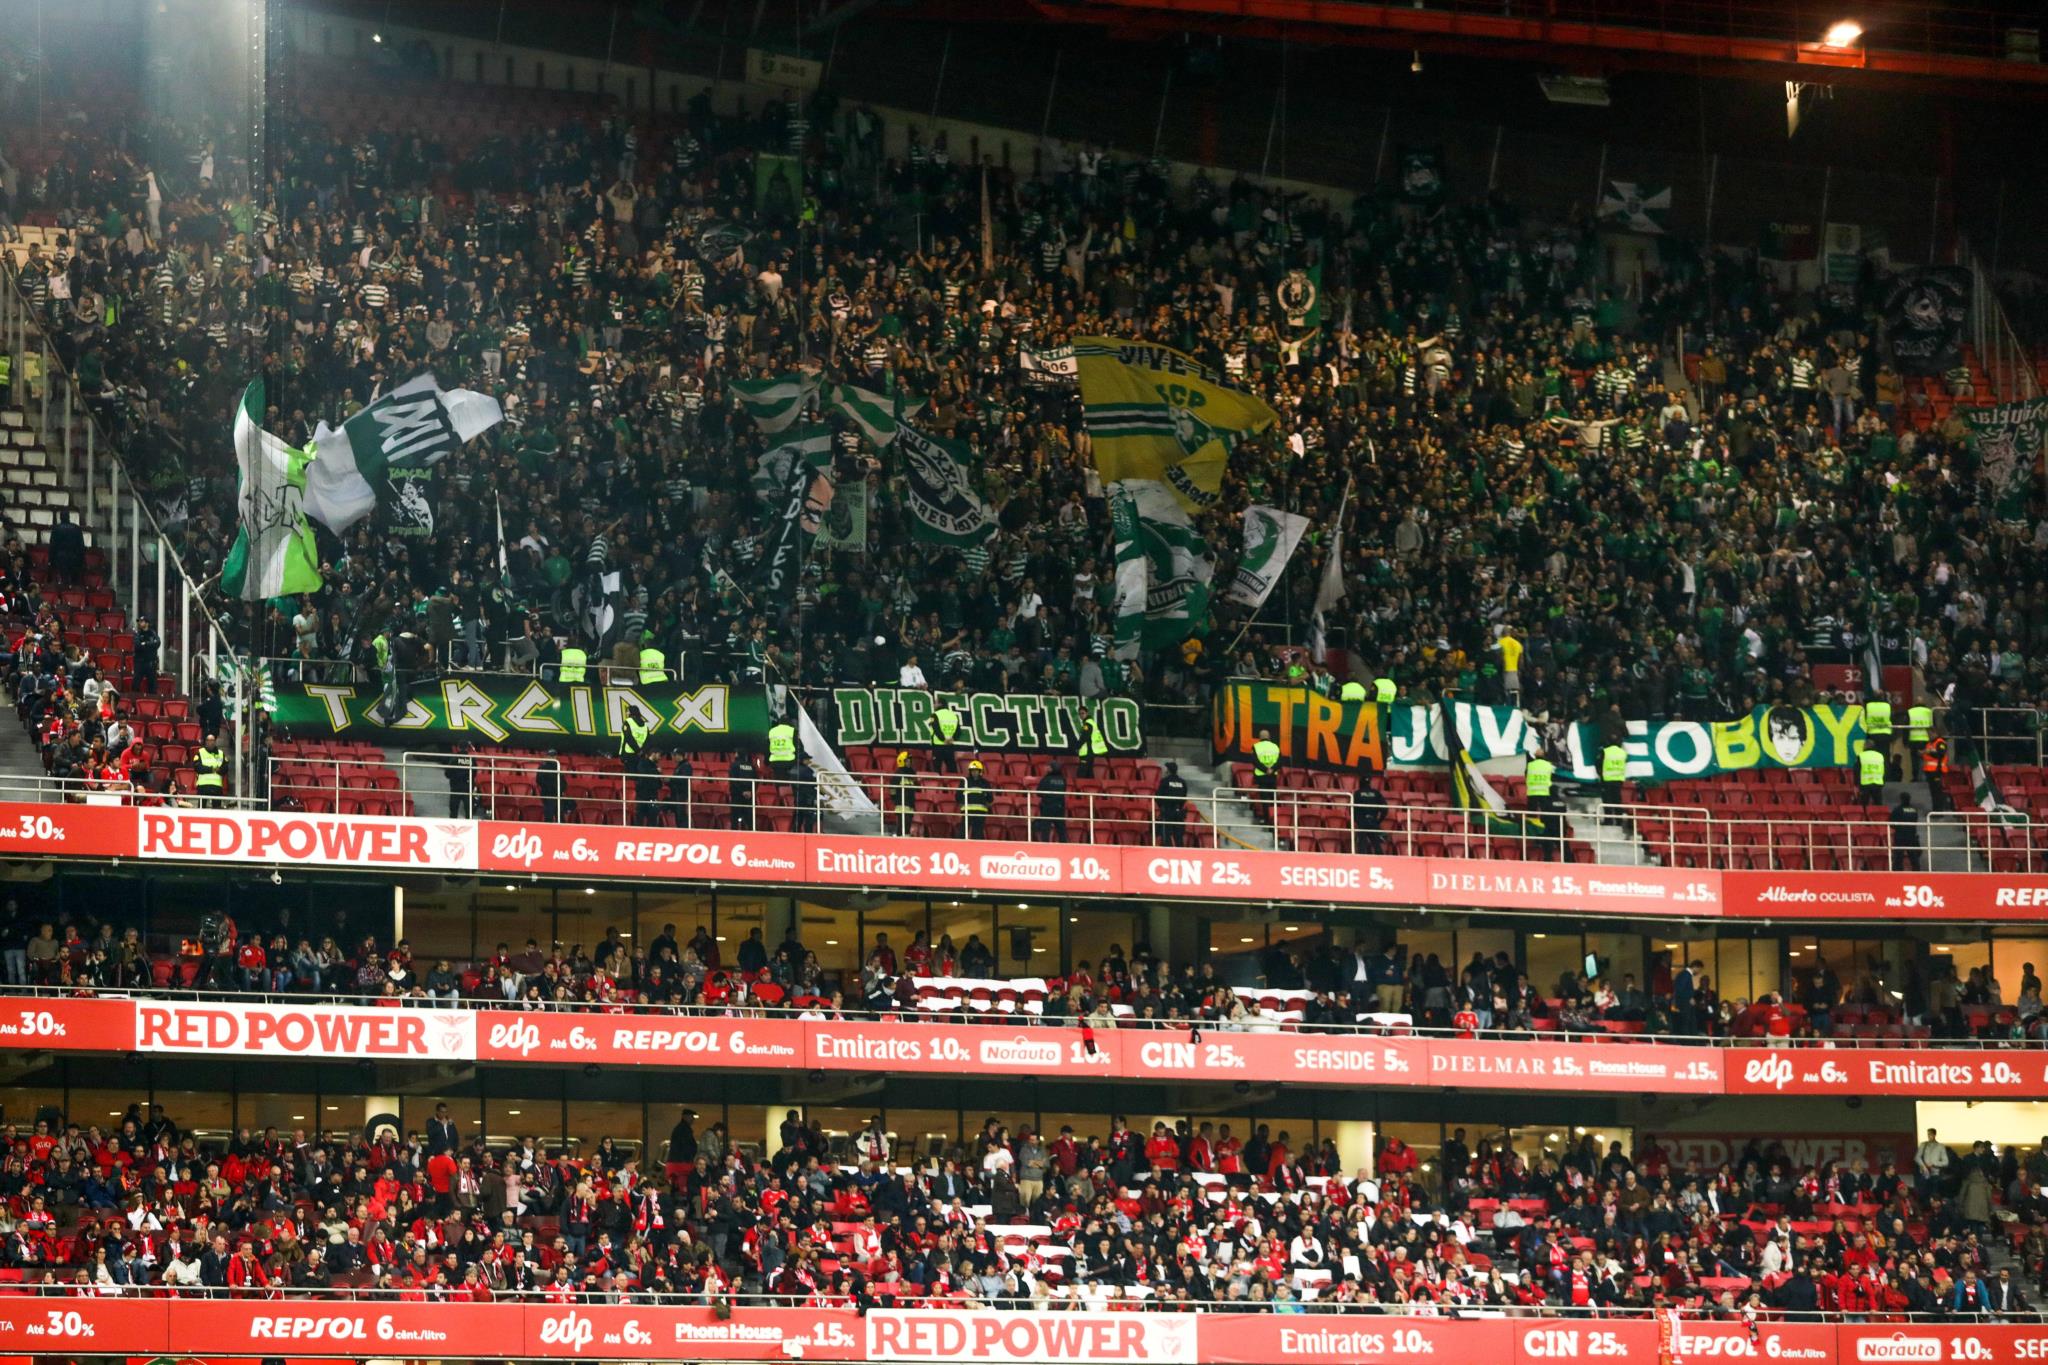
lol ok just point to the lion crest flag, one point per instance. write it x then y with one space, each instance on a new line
1270 536
1160 416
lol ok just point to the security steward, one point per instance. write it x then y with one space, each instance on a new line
1919 729
1877 727
974 801
1266 772
1384 690
1870 773
1934 768
944 727
1352 690
1093 744
653 663
1613 774
1546 824
575 662
211 783
783 767
639 765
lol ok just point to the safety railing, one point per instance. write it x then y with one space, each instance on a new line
84 791
1988 1025
114 514
1862 839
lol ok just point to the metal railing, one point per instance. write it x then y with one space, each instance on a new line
566 790
796 1006
115 516
1324 820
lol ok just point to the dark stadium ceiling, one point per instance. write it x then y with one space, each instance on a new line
1984 49
1989 42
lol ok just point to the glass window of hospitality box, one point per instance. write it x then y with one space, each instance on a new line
1738 969
289 1114
1091 932
507 914
1858 965
583 915
2010 958
1028 938
465 1111
834 934
925 1134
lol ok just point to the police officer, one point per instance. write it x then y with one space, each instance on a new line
1051 821
1613 773
211 783
1919 729
1170 808
1352 690
944 726
574 663
744 779
1870 768
653 663
633 757
1266 771
803 791
148 647
1877 726
1368 818
1538 776
974 801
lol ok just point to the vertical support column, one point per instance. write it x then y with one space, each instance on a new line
135 556
184 636
162 617
92 483
114 526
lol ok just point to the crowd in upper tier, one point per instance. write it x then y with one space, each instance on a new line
1662 534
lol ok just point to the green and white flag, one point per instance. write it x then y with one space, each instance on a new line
416 425
1989 799
1052 367
1173 559
273 554
2009 440
1634 206
1469 787
775 403
1300 297
845 527
811 444
877 415
944 508
1270 536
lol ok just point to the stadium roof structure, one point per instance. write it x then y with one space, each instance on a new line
1983 46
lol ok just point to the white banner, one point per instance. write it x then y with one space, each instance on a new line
1070 1338
356 1031
377 841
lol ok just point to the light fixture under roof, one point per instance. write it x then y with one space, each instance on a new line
1842 33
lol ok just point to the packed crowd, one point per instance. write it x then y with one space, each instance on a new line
1529 460
1328 985
1176 1218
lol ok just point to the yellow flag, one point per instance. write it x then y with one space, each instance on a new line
1156 413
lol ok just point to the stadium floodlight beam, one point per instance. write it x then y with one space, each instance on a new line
1842 33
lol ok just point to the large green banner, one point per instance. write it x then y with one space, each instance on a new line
529 713
1023 723
1768 737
